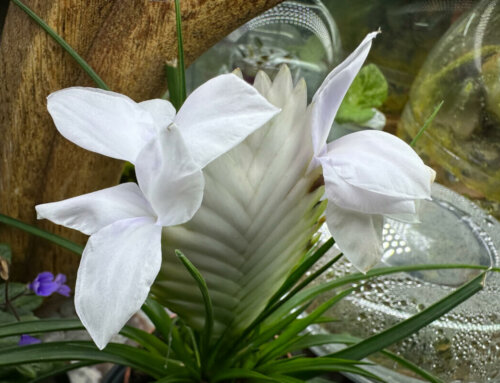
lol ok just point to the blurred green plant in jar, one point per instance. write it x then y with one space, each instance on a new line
463 142
410 28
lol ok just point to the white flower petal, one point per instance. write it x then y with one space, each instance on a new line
118 267
91 212
375 172
329 96
162 111
171 181
101 121
219 115
358 235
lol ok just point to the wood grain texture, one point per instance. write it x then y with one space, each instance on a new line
127 42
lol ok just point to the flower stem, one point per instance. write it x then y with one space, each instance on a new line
8 303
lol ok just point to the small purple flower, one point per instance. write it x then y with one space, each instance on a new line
27 340
45 284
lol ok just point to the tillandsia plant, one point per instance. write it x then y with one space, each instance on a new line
220 229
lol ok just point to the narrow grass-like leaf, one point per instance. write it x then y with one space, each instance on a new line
146 340
313 292
411 325
313 340
426 124
83 64
277 299
180 53
242 349
165 326
300 271
63 242
174 378
172 75
87 351
60 370
176 76
290 379
239 373
40 326
209 312
311 278
280 345
412 367
311 367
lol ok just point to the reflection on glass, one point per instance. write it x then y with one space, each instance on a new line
299 33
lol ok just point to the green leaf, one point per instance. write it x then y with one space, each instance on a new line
87 351
312 340
174 378
300 271
180 52
63 242
312 292
426 124
277 299
40 326
354 114
367 91
311 367
26 304
5 252
176 74
59 370
412 367
7 317
239 373
83 64
148 341
280 345
312 51
289 379
165 326
266 334
209 311
413 324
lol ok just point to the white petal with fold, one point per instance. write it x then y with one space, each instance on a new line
169 178
91 212
219 115
329 96
162 111
118 266
375 172
101 121
358 235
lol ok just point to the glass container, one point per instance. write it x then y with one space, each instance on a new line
463 142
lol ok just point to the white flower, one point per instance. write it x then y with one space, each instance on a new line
123 254
367 174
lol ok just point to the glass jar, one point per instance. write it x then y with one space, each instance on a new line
463 141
